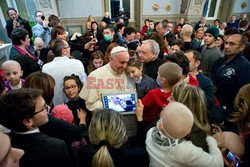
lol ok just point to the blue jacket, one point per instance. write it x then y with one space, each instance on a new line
229 77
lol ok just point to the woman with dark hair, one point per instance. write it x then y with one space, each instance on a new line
178 31
20 52
58 32
96 31
145 27
220 43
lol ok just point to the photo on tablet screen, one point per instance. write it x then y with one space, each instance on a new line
120 102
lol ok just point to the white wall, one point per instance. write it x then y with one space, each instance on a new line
148 4
237 6
80 8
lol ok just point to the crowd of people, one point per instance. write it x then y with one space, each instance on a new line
192 83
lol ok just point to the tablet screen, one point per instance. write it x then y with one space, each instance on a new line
120 102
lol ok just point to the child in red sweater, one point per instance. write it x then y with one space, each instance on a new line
168 75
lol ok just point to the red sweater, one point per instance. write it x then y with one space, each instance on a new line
193 81
144 30
153 103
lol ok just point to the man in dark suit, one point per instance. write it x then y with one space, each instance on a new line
16 21
23 111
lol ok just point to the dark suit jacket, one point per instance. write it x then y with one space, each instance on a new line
23 23
41 150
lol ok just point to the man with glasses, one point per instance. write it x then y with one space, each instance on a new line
41 29
232 71
24 111
63 66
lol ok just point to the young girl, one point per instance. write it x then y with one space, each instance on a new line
72 87
143 82
96 61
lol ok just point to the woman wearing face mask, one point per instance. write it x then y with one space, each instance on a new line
96 61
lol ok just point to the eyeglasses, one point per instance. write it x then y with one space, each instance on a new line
67 47
71 87
46 107
231 43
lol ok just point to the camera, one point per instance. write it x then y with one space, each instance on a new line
20 21
43 17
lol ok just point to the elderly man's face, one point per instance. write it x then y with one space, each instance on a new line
119 62
145 54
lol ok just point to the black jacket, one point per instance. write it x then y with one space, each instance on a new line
23 23
41 150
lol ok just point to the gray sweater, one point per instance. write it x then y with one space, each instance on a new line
208 56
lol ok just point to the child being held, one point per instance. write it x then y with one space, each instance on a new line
12 73
168 75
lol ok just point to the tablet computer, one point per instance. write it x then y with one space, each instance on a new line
125 103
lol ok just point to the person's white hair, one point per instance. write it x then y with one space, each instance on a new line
154 46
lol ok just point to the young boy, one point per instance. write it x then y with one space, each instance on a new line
168 75
12 73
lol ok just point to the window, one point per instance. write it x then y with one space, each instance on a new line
211 8
119 6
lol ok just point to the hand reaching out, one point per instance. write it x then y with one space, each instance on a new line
139 110
82 116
